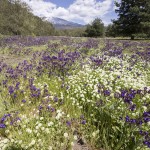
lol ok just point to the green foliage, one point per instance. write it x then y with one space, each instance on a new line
134 17
96 29
16 19
111 30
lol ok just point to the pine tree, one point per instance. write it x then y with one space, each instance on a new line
134 17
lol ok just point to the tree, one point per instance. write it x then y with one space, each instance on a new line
111 30
96 29
134 17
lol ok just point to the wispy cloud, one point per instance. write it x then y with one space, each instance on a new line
83 11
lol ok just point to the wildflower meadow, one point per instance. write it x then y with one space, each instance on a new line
63 93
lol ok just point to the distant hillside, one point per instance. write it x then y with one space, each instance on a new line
63 24
16 19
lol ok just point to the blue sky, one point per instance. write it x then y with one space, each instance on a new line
61 3
79 11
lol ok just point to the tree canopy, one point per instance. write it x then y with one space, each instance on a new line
111 31
133 17
96 29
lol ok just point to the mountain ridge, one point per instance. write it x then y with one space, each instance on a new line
60 23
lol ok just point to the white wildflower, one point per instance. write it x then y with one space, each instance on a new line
50 148
66 135
50 123
75 137
28 130
32 142
41 118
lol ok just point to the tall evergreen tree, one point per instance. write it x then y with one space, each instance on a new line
134 17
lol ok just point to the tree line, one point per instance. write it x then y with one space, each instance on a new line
133 21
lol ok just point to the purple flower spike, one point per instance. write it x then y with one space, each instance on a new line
2 125
83 122
68 123
23 100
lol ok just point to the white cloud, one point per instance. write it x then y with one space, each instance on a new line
89 9
60 12
82 10
41 8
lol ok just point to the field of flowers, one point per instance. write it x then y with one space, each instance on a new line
59 93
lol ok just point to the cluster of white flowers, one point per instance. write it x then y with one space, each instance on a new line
28 130
32 142
66 135
50 124
3 143
60 113
113 77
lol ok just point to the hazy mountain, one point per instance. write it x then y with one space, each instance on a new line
63 24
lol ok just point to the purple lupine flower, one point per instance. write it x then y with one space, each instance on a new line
11 89
23 101
146 119
147 143
40 107
17 85
68 123
133 107
15 95
48 107
123 93
132 121
83 122
146 114
106 92
55 99
141 132
52 109
2 125
4 117
4 82
127 119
